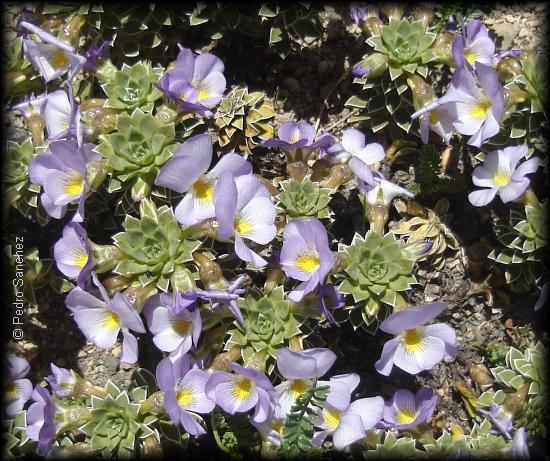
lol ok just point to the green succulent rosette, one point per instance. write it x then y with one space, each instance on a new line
115 426
132 87
378 273
304 199
18 190
526 250
269 324
137 149
154 249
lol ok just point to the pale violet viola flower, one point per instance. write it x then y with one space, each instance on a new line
500 175
329 300
244 210
543 296
101 320
62 381
381 192
346 422
357 153
60 116
186 172
31 105
41 423
501 419
415 347
518 449
174 332
73 254
241 391
271 430
305 255
300 369
61 171
473 45
196 83
406 410
475 104
52 57
184 393
94 54
17 389
294 136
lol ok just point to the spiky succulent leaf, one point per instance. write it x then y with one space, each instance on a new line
393 448
154 249
378 273
304 199
269 325
132 87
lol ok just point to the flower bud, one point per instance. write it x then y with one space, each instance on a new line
297 170
339 174
442 48
210 271
421 91
421 13
116 283
372 25
393 11
105 257
138 295
373 65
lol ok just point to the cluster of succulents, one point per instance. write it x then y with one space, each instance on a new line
245 283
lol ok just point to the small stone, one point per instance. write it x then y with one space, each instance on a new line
111 363
81 354
456 315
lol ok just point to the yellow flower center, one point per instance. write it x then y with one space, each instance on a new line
60 59
242 226
243 388
456 431
10 391
479 111
433 118
331 418
81 259
308 262
276 425
204 93
501 179
298 387
470 56
405 416
203 190
75 185
111 321
185 397
412 340
181 327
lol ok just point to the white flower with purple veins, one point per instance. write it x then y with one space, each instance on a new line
196 83
305 255
72 253
473 45
300 369
406 410
52 57
300 136
346 422
102 320
381 192
440 121
474 106
61 171
359 155
501 175
186 172
17 389
415 347
175 331
241 391
184 393
244 210
60 116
